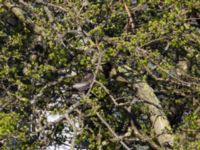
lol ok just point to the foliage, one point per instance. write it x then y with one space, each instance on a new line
120 43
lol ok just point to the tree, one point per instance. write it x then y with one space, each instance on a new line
122 74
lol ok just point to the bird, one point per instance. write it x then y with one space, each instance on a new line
84 84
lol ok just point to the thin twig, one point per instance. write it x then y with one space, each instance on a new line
96 71
61 118
53 83
107 91
112 131
142 136
129 15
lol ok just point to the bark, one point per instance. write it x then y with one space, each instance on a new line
158 118
19 13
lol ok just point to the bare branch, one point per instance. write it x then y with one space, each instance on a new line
112 131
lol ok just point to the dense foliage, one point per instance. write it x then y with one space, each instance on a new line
48 46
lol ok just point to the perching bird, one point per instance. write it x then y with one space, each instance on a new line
85 83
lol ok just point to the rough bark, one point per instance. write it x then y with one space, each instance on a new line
157 116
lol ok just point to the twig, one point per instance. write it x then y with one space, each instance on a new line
52 5
35 97
107 91
142 136
96 71
49 14
144 53
68 111
129 15
112 131
72 146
